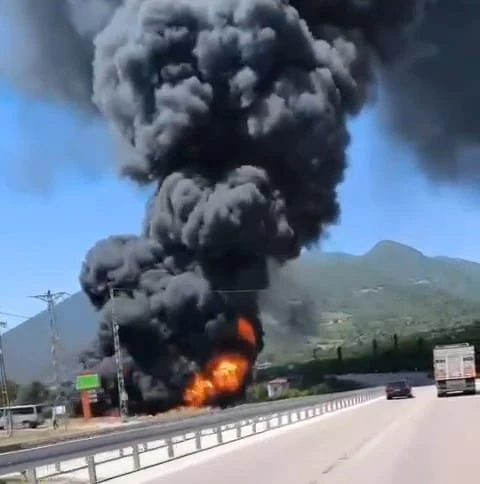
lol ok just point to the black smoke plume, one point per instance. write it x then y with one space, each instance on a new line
430 98
236 111
47 46
432 101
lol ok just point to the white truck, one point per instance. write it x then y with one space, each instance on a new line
454 368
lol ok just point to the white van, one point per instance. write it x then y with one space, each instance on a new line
26 416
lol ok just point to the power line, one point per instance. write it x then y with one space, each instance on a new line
51 299
13 315
239 291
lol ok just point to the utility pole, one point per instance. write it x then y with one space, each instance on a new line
122 393
51 299
4 385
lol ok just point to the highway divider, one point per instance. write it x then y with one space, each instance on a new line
107 456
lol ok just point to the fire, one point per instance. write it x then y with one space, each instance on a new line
246 331
199 392
225 373
228 373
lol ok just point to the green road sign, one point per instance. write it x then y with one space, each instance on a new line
87 382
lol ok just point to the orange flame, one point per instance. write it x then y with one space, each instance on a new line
199 391
246 331
225 373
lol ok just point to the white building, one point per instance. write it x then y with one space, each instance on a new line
277 387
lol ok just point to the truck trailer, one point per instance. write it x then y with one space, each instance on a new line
454 369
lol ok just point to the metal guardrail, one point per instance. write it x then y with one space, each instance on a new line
134 443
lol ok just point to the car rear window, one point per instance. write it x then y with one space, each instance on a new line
398 384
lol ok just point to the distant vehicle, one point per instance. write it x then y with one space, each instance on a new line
454 368
26 416
398 389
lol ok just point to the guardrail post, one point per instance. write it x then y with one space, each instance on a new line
238 428
121 452
92 472
254 426
58 467
198 441
32 476
170 448
289 417
136 457
219 435
268 424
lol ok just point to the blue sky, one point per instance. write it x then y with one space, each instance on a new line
59 194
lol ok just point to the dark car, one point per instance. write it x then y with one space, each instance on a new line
398 389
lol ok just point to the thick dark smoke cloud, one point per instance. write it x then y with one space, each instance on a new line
236 111
430 99
433 102
47 46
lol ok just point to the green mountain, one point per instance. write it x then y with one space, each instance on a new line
350 299
320 300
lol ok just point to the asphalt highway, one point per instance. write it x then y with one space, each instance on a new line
42 455
424 440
